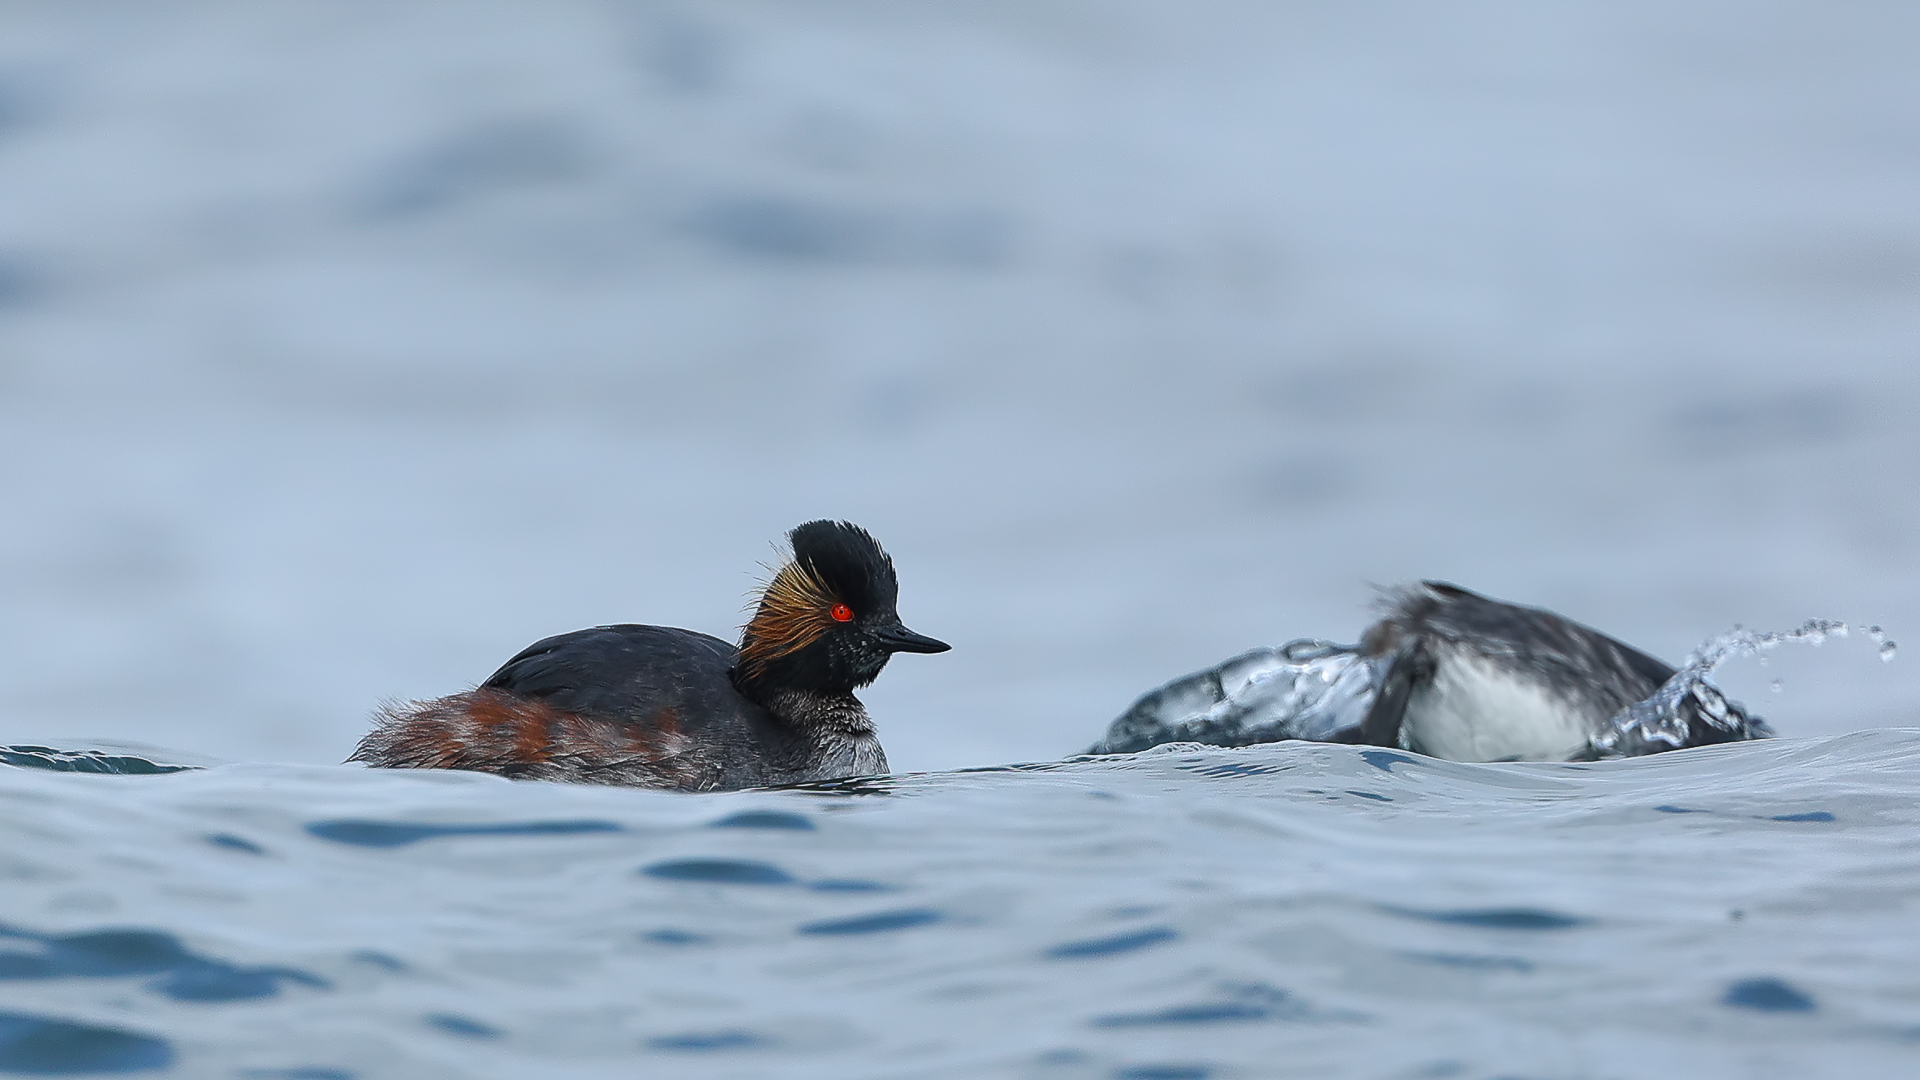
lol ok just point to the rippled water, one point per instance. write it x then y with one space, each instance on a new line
1282 910
346 349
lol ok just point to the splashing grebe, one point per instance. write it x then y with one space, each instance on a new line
1450 674
658 707
1468 678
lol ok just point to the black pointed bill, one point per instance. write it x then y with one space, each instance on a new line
898 638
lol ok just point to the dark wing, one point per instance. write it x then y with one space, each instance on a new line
1585 657
618 671
1578 661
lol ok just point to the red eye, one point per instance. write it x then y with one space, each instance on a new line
841 613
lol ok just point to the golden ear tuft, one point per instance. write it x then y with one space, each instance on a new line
792 614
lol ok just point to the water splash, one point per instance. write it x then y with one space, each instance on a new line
1306 689
1887 646
1689 709
1740 641
1743 642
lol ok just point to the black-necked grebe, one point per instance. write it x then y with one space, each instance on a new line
654 706
1450 674
1468 678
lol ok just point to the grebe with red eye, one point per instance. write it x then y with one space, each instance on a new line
658 707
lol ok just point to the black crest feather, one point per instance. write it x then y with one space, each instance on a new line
849 562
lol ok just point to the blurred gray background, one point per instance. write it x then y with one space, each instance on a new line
347 347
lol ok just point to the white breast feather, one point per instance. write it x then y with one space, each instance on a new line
1476 710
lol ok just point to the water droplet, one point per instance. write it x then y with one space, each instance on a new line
1774 686
1887 647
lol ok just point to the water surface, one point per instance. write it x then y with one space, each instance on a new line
1282 910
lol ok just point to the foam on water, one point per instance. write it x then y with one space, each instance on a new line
1289 909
